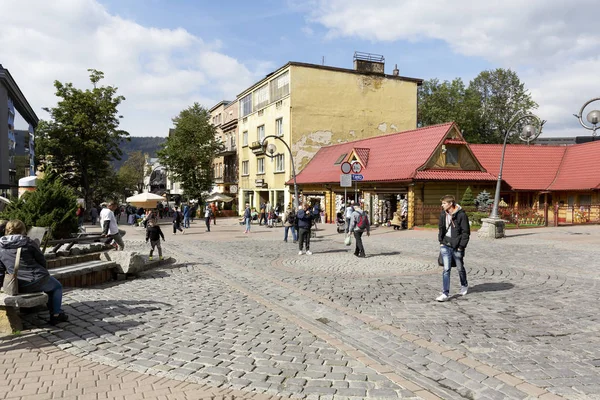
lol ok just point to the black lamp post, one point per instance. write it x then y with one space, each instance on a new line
270 151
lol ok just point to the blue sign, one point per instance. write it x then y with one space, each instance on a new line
357 177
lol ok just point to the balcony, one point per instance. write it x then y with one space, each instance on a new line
257 148
228 150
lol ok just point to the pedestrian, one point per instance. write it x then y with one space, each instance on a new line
214 209
359 224
154 233
304 221
207 216
33 272
79 214
108 223
193 212
94 214
186 216
247 218
262 214
454 233
290 223
348 214
177 218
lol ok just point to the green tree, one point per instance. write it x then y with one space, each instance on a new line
82 135
52 205
483 110
190 149
467 198
133 172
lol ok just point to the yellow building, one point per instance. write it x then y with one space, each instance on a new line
224 116
310 106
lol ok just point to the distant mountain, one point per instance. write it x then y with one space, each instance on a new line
148 145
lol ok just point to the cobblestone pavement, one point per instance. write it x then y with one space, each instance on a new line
246 312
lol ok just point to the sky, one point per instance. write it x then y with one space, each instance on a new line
164 55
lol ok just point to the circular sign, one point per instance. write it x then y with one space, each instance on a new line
356 167
346 167
233 189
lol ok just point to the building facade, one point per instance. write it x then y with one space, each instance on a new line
224 117
309 106
15 107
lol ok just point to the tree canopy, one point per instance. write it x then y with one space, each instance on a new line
190 149
484 110
132 173
82 135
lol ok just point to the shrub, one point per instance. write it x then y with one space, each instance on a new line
467 198
51 205
476 216
483 201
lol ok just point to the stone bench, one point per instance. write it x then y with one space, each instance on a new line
86 273
10 321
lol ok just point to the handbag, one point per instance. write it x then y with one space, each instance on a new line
348 240
11 283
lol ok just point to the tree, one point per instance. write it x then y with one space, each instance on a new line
82 135
51 204
133 172
190 149
467 198
483 111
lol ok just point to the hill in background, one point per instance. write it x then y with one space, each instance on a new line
148 145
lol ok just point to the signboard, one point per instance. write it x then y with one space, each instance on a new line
345 180
357 177
356 167
346 167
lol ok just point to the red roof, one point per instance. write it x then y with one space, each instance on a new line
579 168
393 157
453 175
454 141
525 167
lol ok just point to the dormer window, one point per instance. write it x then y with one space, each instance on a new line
451 155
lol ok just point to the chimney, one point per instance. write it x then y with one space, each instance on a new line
396 72
367 62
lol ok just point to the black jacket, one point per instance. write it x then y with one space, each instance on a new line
461 230
304 219
32 266
154 233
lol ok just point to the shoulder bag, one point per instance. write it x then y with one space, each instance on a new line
11 283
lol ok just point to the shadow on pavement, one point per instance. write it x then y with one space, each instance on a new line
389 253
523 234
332 251
491 287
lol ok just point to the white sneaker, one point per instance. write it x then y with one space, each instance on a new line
300 253
442 297
463 290
308 252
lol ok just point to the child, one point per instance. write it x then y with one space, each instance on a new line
154 233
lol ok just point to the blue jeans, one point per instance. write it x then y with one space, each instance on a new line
186 222
52 288
294 234
248 221
448 255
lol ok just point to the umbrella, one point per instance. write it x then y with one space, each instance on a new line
219 197
145 200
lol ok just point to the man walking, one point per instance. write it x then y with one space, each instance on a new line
454 234
304 221
108 222
186 216
348 214
359 223
177 218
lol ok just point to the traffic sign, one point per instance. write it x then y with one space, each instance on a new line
357 177
346 167
356 167
345 180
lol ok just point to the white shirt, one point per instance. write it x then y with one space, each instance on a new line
107 215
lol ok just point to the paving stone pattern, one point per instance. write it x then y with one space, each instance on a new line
247 312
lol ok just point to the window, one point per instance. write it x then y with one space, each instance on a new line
451 155
261 97
233 140
261 133
245 167
260 166
279 126
340 159
279 163
246 105
245 138
280 86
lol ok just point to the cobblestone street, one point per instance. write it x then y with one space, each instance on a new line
244 316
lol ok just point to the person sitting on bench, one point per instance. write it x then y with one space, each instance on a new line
33 276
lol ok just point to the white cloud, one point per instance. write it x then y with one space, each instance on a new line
159 71
552 45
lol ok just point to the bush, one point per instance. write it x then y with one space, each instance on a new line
467 198
483 201
476 216
51 205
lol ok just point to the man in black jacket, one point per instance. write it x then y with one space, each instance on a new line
454 233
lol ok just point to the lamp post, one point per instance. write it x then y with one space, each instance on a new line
270 151
493 227
593 118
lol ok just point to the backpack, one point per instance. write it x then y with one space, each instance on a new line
79 212
177 217
291 219
363 221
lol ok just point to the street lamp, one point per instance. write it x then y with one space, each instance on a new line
270 151
494 226
593 117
